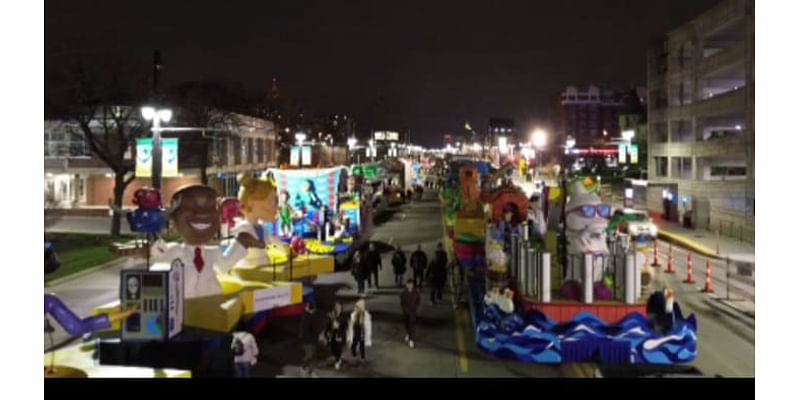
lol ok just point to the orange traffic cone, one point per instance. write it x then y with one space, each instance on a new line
709 287
669 261
655 254
689 274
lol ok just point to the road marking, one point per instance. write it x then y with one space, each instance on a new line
463 361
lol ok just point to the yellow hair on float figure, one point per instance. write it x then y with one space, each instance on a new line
252 190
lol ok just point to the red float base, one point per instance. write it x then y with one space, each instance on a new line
561 311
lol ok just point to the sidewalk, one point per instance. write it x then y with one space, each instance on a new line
706 242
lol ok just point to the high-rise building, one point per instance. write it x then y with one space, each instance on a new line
701 124
590 116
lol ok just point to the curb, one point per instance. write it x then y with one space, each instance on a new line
87 271
732 311
697 248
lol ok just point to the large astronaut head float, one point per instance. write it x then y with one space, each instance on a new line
587 220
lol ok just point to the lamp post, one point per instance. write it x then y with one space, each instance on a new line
539 139
562 237
351 145
157 116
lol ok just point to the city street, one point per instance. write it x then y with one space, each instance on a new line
445 345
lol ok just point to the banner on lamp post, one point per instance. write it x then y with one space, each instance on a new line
623 153
144 157
169 158
634 154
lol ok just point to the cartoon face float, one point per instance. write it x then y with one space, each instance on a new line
259 205
196 217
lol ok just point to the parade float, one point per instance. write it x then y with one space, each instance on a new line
531 304
176 316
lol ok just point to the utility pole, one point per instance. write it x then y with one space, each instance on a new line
156 156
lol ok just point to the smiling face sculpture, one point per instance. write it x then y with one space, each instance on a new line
197 215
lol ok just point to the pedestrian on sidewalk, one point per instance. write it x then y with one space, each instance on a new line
359 330
374 265
399 264
437 273
309 338
245 354
418 262
359 270
336 333
409 303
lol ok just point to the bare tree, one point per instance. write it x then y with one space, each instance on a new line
99 95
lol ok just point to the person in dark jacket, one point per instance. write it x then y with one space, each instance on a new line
418 262
359 269
399 264
373 264
309 338
336 332
437 273
409 303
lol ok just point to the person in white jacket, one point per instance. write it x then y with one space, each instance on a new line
245 354
196 218
359 330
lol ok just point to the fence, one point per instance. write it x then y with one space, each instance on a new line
531 270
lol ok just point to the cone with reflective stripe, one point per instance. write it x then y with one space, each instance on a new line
689 274
655 254
709 286
669 261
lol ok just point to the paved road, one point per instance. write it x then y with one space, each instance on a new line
726 335
445 341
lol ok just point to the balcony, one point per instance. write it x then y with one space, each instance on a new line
725 58
735 147
735 100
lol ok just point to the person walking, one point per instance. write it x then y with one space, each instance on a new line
399 264
309 338
359 270
418 262
409 303
359 330
437 273
336 333
374 265
245 354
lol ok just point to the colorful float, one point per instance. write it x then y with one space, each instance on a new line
181 310
529 303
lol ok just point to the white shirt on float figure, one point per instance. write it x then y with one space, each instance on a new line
199 281
256 257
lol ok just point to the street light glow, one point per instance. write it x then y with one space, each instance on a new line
148 113
352 142
300 137
628 134
165 115
570 142
539 138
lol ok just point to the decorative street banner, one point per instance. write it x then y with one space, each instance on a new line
144 157
623 152
634 154
306 155
294 157
169 158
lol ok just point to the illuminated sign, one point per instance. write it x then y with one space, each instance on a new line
389 136
623 153
634 154
380 135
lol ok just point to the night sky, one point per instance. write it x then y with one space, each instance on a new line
422 65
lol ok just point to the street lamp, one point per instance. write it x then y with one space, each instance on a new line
539 138
300 137
570 142
628 134
157 116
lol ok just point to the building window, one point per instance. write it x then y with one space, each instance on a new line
659 134
237 150
726 172
681 131
661 166
249 150
681 167
260 150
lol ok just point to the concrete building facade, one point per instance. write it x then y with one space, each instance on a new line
701 122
